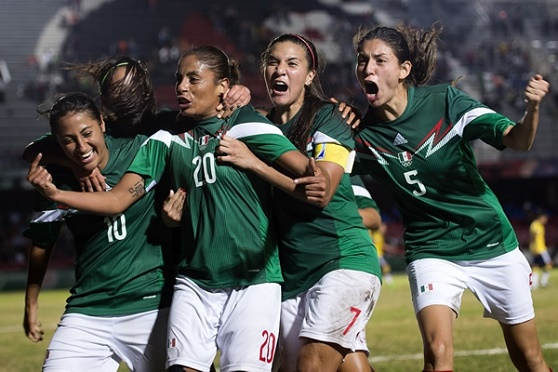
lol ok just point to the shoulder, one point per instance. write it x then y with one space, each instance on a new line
329 112
121 143
248 114
247 121
440 90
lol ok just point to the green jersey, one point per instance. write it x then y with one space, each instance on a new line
228 237
426 159
362 195
314 241
122 263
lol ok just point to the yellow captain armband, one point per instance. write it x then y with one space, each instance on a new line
334 153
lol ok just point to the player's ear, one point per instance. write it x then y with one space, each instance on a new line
405 70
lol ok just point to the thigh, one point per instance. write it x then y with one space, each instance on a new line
338 307
249 328
502 285
141 338
193 324
522 339
436 282
81 343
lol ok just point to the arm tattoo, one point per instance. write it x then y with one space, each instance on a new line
137 190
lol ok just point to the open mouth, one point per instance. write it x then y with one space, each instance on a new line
183 101
280 86
87 156
370 87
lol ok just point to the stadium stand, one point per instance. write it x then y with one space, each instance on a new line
494 45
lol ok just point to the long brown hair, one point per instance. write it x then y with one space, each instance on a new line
314 97
408 44
130 101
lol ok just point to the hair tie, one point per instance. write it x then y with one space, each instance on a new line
109 71
309 49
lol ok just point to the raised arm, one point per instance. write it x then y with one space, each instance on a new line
520 137
128 190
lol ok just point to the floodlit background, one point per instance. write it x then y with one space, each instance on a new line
494 45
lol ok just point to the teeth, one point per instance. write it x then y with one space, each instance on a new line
280 86
87 155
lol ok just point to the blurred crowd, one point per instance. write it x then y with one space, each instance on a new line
496 65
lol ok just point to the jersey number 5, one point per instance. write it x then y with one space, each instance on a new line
413 181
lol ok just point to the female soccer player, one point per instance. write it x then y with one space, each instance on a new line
119 304
326 254
415 140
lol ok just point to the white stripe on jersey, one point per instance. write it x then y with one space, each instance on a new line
361 191
151 185
165 137
252 129
469 117
320 137
49 216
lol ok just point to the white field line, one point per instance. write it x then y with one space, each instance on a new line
372 359
496 351
19 328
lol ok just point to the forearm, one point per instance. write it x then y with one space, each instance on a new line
278 179
294 162
527 128
129 189
521 136
36 269
103 203
370 218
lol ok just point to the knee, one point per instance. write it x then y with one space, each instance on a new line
439 349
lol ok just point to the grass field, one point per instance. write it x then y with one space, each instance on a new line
392 333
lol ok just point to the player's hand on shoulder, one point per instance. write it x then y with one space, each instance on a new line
236 97
348 112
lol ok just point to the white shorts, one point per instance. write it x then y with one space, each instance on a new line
242 323
335 310
93 343
501 284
